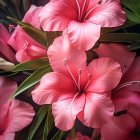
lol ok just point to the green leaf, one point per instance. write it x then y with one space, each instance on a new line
37 121
31 65
31 80
131 16
72 132
119 37
134 46
6 73
48 124
59 134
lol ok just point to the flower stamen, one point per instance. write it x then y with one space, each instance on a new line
127 84
66 64
89 76
98 3
73 100
79 78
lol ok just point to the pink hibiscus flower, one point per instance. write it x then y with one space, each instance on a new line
81 20
76 90
14 114
5 50
79 136
27 48
123 127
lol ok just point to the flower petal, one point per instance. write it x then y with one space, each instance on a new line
65 112
7 87
133 73
118 128
53 17
108 13
7 136
53 87
20 114
98 110
122 55
83 35
106 74
62 50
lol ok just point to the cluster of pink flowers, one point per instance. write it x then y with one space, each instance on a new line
94 93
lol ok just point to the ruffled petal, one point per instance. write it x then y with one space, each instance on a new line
106 74
20 114
98 110
65 112
62 54
83 35
53 87
107 13
122 55
56 15
118 128
7 87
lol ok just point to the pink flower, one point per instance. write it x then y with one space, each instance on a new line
14 114
81 20
27 48
78 136
5 51
77 91
126 96
123 127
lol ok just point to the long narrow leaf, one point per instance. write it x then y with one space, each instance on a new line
31 80
48 124
59 134
37 121
31 65
119 37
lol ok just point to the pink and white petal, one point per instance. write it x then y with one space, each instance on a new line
83 35
65 111
98 110
53 87
7 136
122 55
108 13
7 87
20 114
61 54
118 128
106 74
32 16
53 17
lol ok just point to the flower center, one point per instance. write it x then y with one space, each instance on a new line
77 83
81 12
